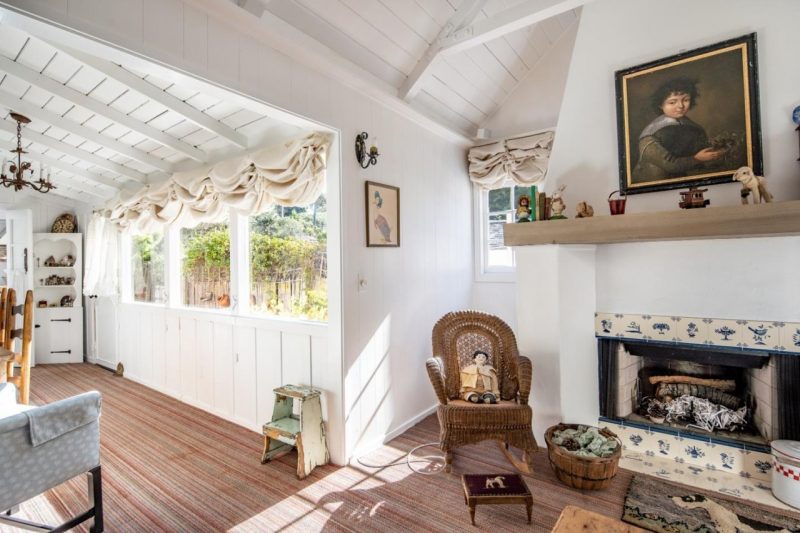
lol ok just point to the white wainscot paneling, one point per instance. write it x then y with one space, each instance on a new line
245 403
226 365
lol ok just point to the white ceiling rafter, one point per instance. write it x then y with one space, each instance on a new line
37 113
96 106
160 96
520 16
463 16
65 148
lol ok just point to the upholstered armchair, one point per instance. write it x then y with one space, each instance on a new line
456 337
45 446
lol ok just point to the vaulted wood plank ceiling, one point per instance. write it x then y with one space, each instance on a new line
431 50
101 127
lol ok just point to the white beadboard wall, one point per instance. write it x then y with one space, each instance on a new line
385 330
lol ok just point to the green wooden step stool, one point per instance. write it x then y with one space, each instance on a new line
305 431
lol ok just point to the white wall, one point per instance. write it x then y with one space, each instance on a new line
738 278
385 329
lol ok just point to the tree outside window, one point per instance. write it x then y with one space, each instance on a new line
206 265
288 261
149 280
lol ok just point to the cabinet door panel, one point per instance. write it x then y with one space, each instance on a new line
205 363
268 370
187 358
172 356
245 398
223 368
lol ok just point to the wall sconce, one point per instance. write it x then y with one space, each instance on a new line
365 158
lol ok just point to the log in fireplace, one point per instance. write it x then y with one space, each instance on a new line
762 387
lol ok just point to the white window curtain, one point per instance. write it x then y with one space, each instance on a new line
102 257
292 173
523 161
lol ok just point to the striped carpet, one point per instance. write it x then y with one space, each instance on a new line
170 467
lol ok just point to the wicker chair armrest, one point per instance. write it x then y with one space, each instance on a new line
435 368
525 369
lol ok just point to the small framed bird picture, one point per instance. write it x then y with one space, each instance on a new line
383 214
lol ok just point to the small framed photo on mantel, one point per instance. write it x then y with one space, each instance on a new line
690 119
383 214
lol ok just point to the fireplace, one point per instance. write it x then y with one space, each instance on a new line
694 389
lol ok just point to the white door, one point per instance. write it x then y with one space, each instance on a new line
19 266
19 269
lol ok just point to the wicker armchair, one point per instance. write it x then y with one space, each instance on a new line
456 336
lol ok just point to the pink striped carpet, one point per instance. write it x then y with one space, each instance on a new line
170 467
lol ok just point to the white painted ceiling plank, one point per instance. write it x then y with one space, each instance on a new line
357 28
432 106
463 86
8 127
467 68
500 49
434 86
136 83
386 22
64 91
512 19
487 62
37 113
439 10
418 20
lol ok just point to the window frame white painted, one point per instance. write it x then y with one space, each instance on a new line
483 272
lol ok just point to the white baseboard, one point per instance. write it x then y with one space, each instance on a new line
374 444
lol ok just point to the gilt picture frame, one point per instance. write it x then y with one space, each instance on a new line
383 214
690 119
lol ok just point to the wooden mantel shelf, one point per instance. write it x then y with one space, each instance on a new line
763 220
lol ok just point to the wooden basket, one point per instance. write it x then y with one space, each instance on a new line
590 473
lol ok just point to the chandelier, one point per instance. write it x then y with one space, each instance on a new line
16 172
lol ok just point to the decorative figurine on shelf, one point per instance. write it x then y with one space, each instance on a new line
584 210
50 262
479 383
38 262
67 301
557 205
41 303
524 208
752 184
67 261
617 205
693 198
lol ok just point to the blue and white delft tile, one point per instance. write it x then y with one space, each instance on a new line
757 465
633 327
661 328
761 335
604 324
646 322
695 451
724 332
690 330
790 337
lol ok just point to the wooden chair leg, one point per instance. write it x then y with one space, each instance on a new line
448 461
96 499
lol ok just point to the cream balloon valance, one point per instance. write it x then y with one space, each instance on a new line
523 160
289 174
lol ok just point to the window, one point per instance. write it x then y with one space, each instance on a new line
288 268
206 265
147 268
497 207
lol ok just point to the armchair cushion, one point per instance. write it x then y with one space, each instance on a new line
30 470
51 421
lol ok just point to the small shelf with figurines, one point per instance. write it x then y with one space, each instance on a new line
57 269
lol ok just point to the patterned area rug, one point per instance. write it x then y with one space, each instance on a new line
660 506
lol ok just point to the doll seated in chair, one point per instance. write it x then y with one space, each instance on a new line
479 382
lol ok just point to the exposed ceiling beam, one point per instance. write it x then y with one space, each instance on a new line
96 106
89 157
37 113
160 96
520 16
463 16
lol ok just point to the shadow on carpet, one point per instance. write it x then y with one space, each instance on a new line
666 507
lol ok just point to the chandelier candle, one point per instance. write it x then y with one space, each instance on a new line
16 172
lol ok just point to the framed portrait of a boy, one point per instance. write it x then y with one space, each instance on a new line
690 119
